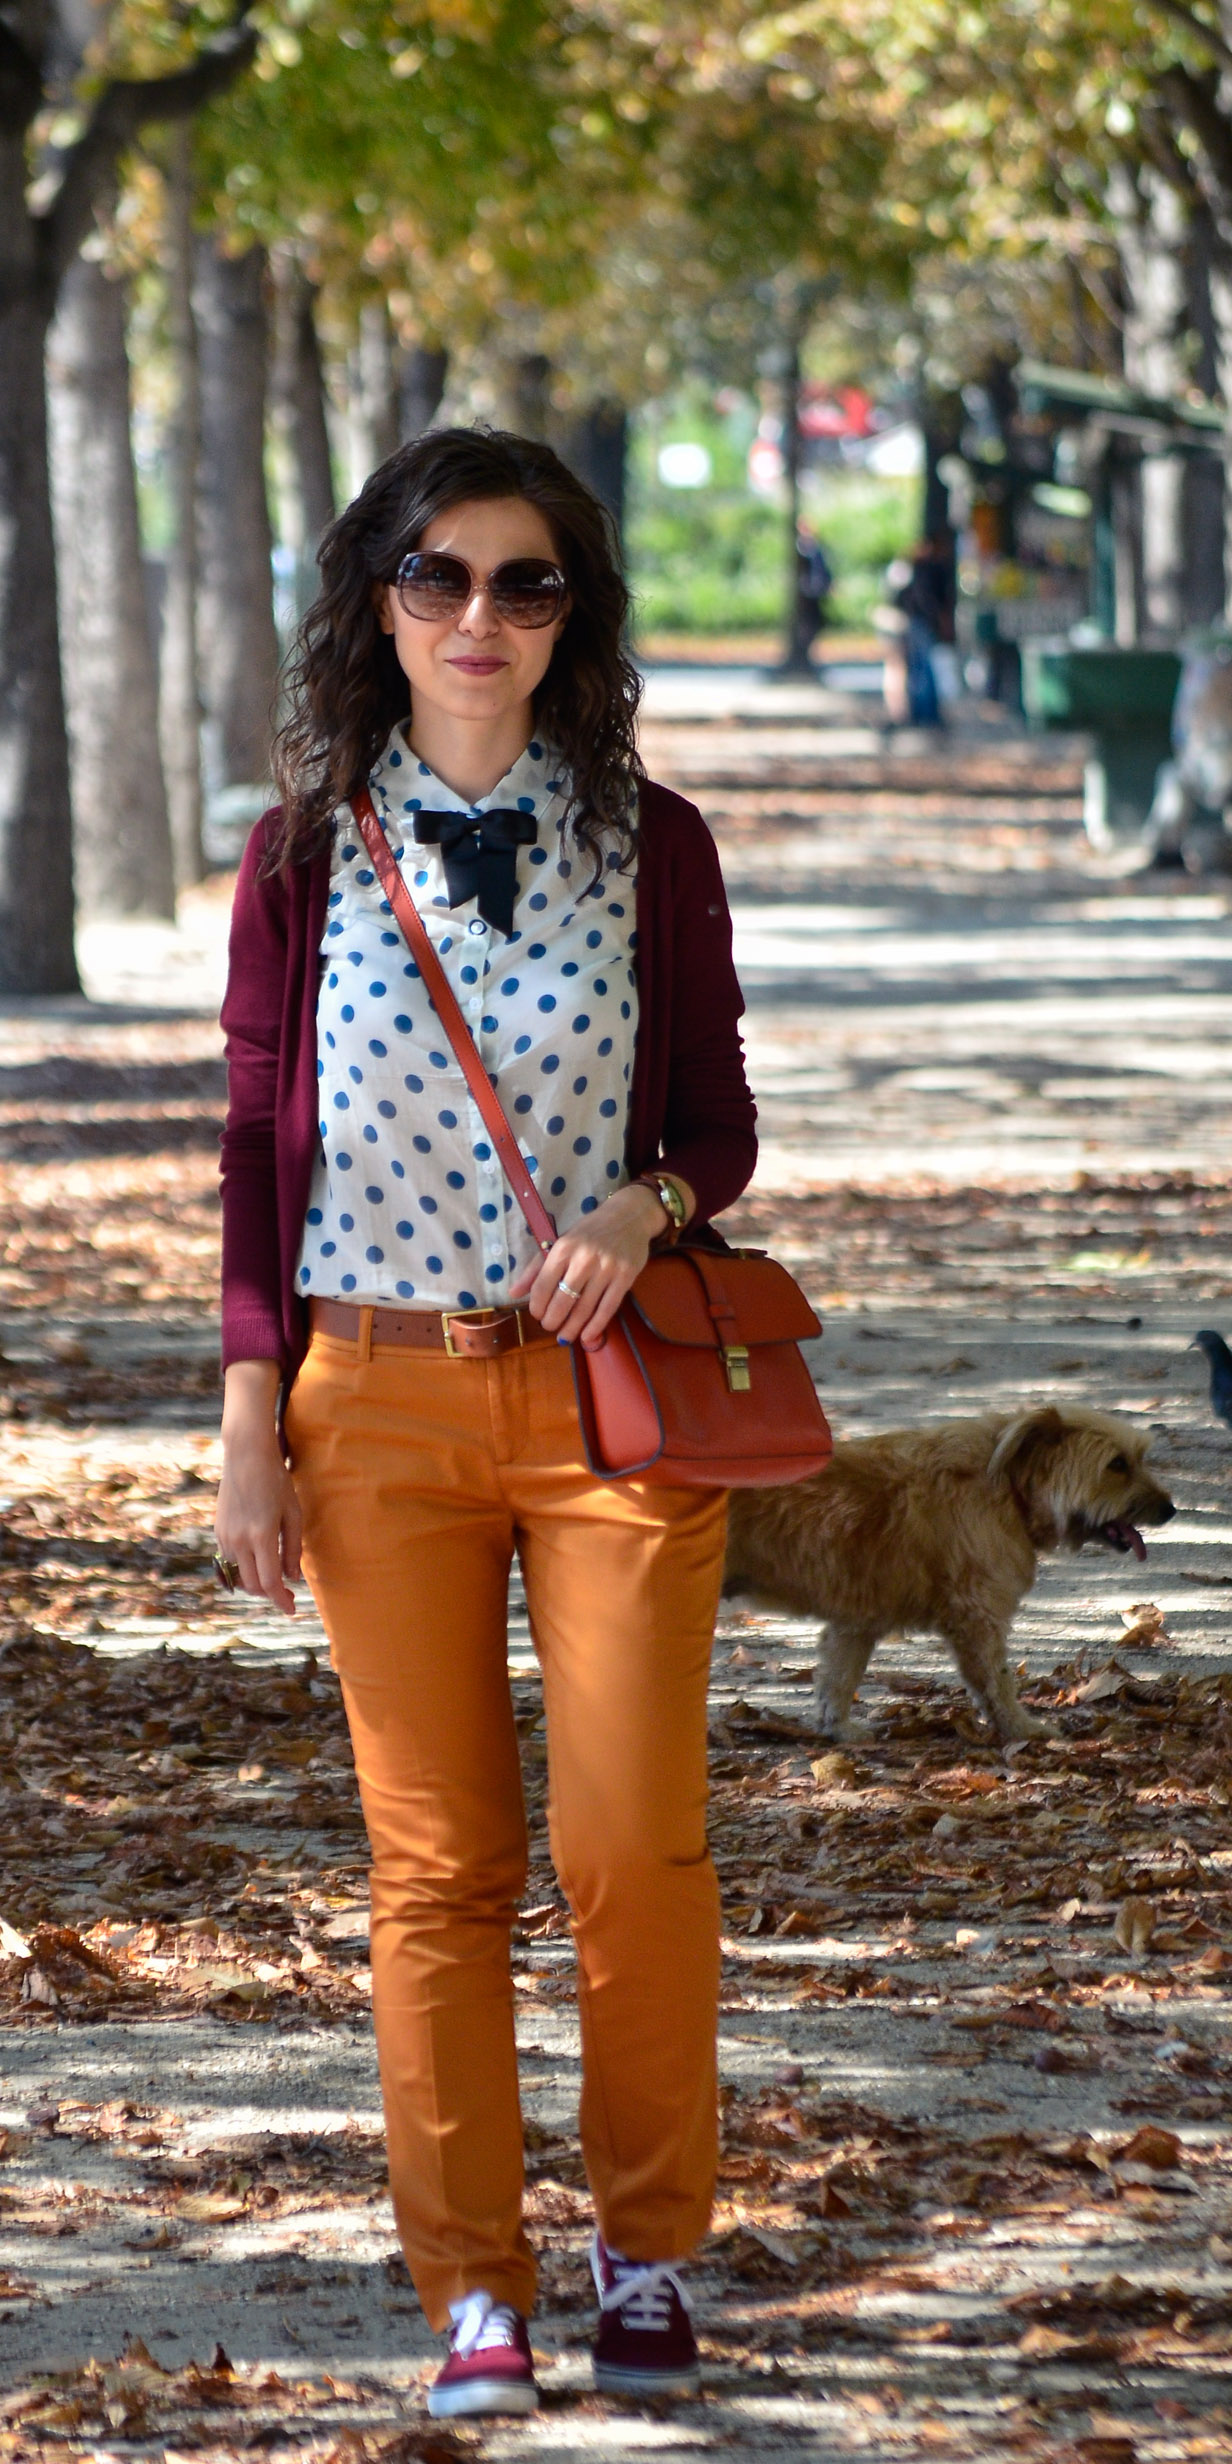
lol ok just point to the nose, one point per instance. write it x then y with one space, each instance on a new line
479 616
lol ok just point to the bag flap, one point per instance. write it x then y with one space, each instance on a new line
676 1292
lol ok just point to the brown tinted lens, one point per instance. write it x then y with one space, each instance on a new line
527 591
433 585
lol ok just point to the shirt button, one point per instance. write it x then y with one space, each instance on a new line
476 925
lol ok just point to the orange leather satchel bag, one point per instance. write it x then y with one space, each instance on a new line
699 1381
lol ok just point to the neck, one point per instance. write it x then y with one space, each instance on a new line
469 756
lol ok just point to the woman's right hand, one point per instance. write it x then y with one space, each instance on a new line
257 1519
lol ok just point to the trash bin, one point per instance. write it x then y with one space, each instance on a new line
1124 699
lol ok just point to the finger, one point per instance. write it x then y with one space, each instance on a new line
269 1573
292 1541
603 1304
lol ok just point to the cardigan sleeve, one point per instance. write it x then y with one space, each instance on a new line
709 1135
252 1019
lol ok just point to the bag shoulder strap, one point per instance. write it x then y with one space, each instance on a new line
487 1102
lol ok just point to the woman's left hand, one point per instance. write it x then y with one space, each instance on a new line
578 1287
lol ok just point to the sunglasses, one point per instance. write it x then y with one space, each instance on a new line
527 591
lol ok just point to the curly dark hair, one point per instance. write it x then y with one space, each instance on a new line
347 690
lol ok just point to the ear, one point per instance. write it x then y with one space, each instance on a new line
1030 1435
381 596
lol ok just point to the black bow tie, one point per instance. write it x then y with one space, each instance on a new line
480 857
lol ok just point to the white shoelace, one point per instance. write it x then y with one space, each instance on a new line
642 2293
480 2324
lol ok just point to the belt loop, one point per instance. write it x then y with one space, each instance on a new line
363 1339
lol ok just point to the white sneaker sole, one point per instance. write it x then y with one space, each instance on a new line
613 2381
481 2395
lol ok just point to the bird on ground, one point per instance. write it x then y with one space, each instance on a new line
1219 1360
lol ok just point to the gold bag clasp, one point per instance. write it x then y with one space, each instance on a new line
736 1363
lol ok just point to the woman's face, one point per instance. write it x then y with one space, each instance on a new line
475 665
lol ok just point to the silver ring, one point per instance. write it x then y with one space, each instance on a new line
226 1571
562 1286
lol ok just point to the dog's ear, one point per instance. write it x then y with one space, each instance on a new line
1033 1433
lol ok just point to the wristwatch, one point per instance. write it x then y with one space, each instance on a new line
671 1198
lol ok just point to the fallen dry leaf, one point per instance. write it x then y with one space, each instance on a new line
1134 1924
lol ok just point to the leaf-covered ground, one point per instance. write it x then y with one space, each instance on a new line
975 2198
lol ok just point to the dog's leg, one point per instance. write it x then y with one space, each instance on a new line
978 1645
843 1654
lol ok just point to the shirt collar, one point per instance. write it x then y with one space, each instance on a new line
403 784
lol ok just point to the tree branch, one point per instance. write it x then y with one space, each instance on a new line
1195 102
124 107
21 83
1210 37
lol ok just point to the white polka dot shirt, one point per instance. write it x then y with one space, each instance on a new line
408 1202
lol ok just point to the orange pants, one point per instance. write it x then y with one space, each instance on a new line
419 1477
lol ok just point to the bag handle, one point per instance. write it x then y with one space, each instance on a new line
487 1102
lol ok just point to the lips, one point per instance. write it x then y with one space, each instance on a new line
478 667
1123 1537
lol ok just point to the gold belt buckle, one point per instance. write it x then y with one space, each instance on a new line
477 1316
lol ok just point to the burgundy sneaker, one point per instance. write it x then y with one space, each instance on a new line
645 2345
490 2367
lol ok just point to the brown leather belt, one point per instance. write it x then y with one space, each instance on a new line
465 1334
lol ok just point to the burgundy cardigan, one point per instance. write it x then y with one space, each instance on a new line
690 1108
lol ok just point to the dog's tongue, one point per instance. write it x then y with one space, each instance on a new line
1128 1538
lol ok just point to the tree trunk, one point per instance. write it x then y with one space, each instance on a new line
180 711
36 862
239 646
1153 240
372 393
796 660
298 403
421 386
1203 594
121 840
597 445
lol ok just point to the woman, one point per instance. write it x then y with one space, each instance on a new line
464 662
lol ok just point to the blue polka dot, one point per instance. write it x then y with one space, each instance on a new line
315 1215
605 1047
403 1024
462 1240
593 940
522 1103
438 1060
328 1248
537 950
535 749
494 1274
537 899
448 1120
303 1274
410 968
467 1300
580 1086
395 761
510 984
378 991
581 1146
581 1023
347 1012
550 1063
346 1223
489 1025
570 967
398 1170
420 880
526 804
538 855
374 1196
406 1291
369 1133
348 1283
613 909
470 975
487 1214
381 1050
355 1074
435 1266
422 1145
333 985
424 771
547 1001
557 1187
427 1206
600 984
405 1230
532 1163
343 1161
613 1172
625 1010
522 1044
589 1205
335 898
455 1180
484 1153
331 930
375 1257
389 1112
389 941
321 1065
415 1084
556 1124
608 1108
366 877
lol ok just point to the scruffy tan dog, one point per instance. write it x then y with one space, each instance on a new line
937 1531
